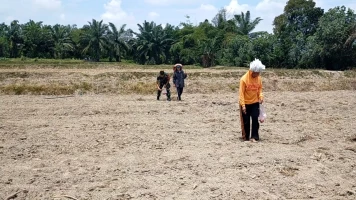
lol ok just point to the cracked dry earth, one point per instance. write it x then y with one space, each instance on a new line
135 147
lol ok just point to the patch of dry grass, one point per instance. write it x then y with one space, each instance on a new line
298 73
288 171
45 89
36 89
350 73
233 86
298 86
302 139
139 88
138 81
124 76
338 84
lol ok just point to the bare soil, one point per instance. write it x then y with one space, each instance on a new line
110 146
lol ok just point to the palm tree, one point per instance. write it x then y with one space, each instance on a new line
152 44
186 50
95 38
32 32
62 40
220 21
210 48
4 29
118 45
15 38
244 24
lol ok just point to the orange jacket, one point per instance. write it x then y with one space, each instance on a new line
250 89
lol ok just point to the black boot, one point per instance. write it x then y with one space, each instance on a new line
168 95
158 94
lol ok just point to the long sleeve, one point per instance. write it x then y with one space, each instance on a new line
242 93
260 93
174 78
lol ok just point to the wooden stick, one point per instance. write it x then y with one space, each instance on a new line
57 97
13 196
69 197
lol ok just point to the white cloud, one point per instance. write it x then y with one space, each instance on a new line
267 10
153 15
114 10
177 15
172 2
157 2
47 11
122 12
326 5
207 7
204 11
9 19
48 4
115 14
275 6
235 8
62 16
319 3
352 6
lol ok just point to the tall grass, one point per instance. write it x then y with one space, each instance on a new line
46 89
138 81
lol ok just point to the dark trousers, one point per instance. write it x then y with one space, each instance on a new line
168 86
252 112
180 92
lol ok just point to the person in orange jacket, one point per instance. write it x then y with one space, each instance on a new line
250 98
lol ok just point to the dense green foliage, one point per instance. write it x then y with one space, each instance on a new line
304 36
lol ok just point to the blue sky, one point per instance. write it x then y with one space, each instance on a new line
133 12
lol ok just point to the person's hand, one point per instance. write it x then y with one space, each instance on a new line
159 88
261 101
244 109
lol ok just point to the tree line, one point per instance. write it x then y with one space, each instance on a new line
304 36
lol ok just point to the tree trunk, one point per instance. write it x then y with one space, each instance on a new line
118 58
97 56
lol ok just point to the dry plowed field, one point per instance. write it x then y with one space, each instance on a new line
101 134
